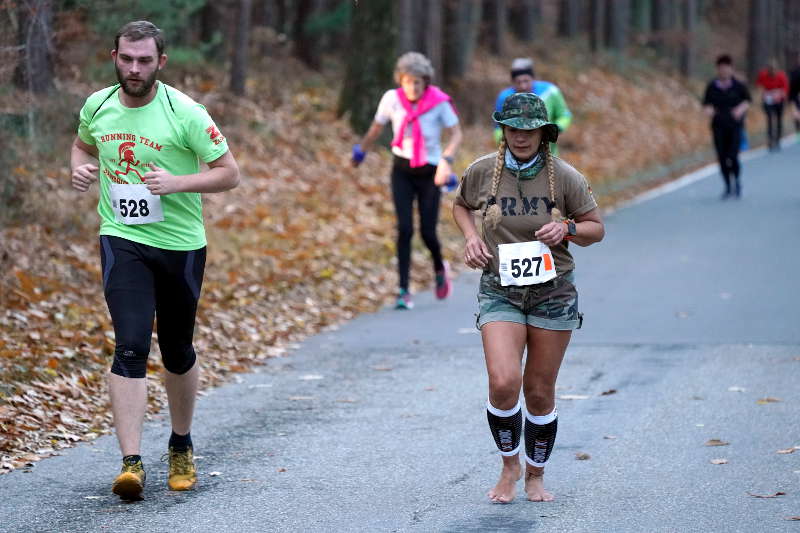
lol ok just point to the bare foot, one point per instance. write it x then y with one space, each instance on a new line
506 490
534 485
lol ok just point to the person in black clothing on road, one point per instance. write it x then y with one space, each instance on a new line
726 101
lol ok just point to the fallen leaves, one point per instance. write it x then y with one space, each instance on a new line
775 495
789 450
582 456
769 399
719 461
608 392
716 442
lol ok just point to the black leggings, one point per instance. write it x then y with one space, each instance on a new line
141 281
409 183
774 123
727 140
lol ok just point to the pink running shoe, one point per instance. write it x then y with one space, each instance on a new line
443 285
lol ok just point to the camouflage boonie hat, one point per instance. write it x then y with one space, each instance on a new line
526 111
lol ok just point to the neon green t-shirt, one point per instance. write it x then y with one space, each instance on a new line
172 131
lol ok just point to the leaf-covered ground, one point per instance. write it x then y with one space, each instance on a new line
305 243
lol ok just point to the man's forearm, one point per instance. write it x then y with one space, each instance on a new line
218 179
79 156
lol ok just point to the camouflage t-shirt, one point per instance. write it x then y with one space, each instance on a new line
524 214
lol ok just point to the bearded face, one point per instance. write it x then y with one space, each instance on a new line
137 65
135 85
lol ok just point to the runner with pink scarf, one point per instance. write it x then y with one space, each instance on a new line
421 168
432 97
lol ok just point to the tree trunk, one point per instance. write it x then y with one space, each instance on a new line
641 15
757 37
525 15
305 44
368 75
497 15
409 28
240 48
569 17
689 25
597 26
210 18
433 38
777 29
463 22
662 26
34 72
791 45
617 20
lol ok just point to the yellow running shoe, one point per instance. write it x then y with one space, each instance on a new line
182 472
129 484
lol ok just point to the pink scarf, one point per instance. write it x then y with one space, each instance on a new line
432 97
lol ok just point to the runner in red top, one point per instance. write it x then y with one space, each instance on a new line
775 88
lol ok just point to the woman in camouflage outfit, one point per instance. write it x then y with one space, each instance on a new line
527 296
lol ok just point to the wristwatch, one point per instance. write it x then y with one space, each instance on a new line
571 229
449 159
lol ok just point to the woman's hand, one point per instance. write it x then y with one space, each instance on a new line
443 171
476 253
551 233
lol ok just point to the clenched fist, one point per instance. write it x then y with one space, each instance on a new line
159 181
83 176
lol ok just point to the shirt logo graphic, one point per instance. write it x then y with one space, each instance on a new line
128 159
214 134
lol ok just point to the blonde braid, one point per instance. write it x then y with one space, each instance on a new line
555 214
493 215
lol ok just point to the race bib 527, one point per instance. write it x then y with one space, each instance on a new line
525 263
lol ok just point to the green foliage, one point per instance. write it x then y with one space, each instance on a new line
333 22
174 17
192 56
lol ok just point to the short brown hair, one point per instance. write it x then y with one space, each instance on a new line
138 30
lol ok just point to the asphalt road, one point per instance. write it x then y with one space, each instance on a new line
380 425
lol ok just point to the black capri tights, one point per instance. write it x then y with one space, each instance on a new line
141 282
727 140
409 183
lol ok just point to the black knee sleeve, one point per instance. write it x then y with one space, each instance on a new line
130 363
540 436
506 427
178 360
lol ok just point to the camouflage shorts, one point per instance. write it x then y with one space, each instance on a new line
551 305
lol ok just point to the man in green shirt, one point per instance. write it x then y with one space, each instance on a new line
141 140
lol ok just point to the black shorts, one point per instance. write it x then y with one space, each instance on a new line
141 282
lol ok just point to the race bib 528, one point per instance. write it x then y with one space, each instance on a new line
525 263
134 204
